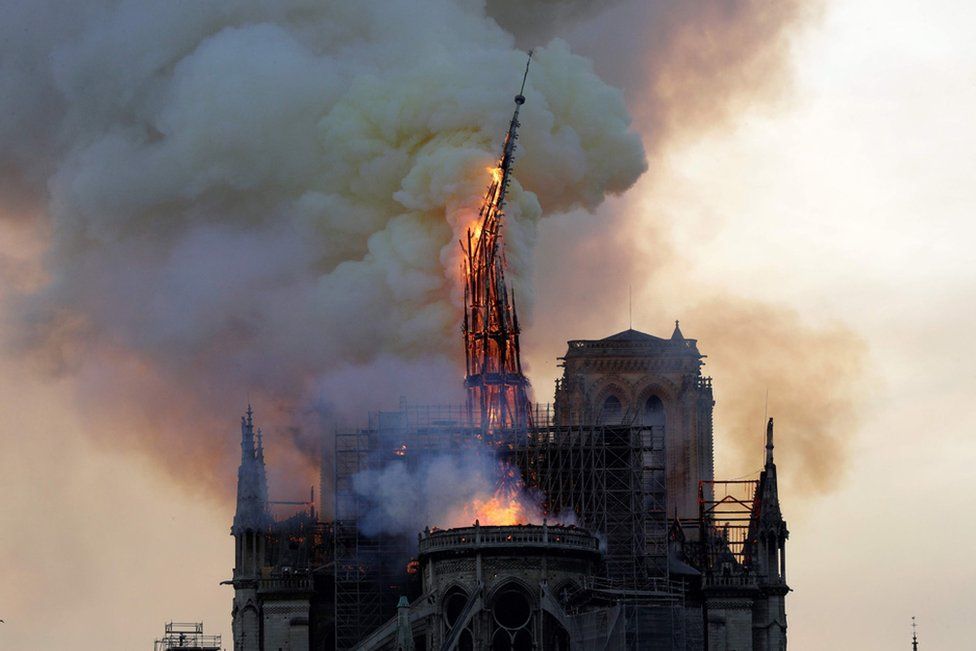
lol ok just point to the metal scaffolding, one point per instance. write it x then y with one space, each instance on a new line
186 636
370 572
612 476
727 512
359 604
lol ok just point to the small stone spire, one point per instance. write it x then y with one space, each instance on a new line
247 436
914 635
676 335
404 631
676 534
252 487
262 476
259 455
768 492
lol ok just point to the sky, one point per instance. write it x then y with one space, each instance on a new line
847 198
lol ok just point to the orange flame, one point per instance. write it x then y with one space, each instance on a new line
497 510
496 174
474 223
509 505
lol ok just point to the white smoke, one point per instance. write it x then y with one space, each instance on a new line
265 196
445 490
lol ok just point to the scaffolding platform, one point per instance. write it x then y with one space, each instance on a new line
186 636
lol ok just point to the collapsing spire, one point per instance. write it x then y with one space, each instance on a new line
496 387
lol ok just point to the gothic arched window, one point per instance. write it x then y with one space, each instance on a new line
513 620
454 602
612 410
654 412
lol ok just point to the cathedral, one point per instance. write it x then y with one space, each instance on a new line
663 556
635 545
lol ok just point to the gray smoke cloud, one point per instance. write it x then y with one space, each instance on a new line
250 197
685 67
692 68
446 490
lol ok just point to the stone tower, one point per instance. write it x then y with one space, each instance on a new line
636 378
770 534
251 522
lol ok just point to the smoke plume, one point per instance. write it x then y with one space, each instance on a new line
447 490
247 199
809 373
814 372
691 69
686 67
265 198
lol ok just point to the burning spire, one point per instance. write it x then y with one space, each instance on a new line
496 387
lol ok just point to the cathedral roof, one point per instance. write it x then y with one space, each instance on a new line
632 335
634 342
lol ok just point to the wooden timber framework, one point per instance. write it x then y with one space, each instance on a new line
497 390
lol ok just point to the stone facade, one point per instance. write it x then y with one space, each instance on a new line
497 588
636 378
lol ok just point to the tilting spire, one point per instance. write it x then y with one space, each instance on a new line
497 389
508 150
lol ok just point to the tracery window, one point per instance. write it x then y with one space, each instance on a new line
512 612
